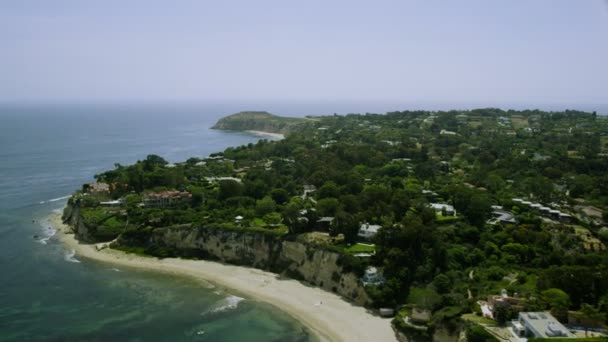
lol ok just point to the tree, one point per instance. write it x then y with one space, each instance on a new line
346 224
291 218
502 313
442 283
424 298
328 190
264 206
230 188
152 160
558 301
279 195
327 206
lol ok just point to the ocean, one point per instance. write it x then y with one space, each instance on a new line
47 292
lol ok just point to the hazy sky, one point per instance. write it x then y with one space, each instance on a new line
541 51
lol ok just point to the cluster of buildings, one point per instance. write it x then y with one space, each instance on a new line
545 211
528 324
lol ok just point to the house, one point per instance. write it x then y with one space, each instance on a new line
98 187
431 195
308 189
540 325
166 198
515 303
440 207
324 223
501 216
368 231
372 277
446 132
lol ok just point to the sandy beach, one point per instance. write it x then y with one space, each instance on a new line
327 315
274 136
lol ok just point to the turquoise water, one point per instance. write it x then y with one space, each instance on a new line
47 294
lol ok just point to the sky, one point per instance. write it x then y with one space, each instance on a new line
504 51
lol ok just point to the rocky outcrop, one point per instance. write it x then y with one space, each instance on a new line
259 121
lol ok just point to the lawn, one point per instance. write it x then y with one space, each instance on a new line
478 319
358 248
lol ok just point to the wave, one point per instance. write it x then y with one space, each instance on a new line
49 232
226 304
70 256
55 199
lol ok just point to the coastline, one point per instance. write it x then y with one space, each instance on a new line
274 136
325 314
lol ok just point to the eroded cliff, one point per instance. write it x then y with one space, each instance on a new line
295 259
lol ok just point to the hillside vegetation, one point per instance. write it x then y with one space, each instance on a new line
464 203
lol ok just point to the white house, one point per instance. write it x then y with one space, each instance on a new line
372 277
368 231
438 207
540 325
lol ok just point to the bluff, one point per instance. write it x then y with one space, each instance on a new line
260 121
327 269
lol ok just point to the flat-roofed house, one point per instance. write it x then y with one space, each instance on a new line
542 325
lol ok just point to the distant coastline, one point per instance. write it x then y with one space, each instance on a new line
262 134
329 317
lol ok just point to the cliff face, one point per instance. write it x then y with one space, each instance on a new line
264 251
71 216
259 121
294 259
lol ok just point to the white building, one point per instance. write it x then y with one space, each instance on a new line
540 325
439 207
368 231
372 277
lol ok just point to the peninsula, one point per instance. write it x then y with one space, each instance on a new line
447 222
260 121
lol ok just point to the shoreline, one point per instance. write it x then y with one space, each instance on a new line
324 314
274 136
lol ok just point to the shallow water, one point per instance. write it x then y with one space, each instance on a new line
47 292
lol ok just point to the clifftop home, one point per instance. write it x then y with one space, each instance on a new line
539 325
166 198
98 187
372 277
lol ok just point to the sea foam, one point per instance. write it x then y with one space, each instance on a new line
55 199
229 303
70 256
